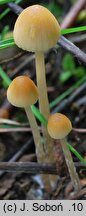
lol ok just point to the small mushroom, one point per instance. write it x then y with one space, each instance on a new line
22 92
59 126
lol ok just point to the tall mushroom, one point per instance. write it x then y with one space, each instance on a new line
59 126
37 30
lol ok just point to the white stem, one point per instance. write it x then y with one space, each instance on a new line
41 84
43 99
70 165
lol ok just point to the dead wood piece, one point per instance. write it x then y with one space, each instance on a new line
28 167
31 167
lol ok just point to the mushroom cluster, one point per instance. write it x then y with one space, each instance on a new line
37 30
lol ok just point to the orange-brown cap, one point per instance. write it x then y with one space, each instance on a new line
59 126
36 29
22 92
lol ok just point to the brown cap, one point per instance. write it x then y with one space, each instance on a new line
22 92
36 29
59 126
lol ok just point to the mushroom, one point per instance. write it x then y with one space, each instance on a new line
23 93
37 30
59 126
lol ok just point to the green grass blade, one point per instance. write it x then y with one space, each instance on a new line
7 10
73 30
5 77
6 1
67 92
4 13
6 43
77 154
39 116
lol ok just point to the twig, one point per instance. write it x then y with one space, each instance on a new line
11 122
77 39
17 129
79 130
70 99
18 154
10 54
80 102
30 167
70 18
22 65
15 8
69 46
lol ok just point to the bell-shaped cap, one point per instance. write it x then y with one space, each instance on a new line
36 29
22 92
59 126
